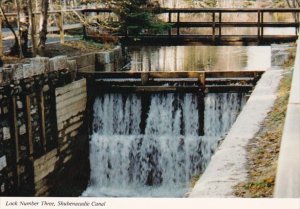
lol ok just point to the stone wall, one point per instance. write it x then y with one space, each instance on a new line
111 60
37 139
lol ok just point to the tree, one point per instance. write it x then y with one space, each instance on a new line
16 48
137 16
43 27
32 24
293 3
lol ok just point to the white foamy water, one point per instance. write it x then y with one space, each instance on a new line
161 162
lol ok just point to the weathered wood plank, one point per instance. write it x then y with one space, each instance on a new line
29 125
43 173
68 116
41 108
72 120
168 75
45 157
73 109
16 137
70 94
127 89
69 129
76 84
65 104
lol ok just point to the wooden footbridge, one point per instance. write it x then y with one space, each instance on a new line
216 21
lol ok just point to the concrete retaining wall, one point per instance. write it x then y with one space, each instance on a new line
227 167
111 60
288 172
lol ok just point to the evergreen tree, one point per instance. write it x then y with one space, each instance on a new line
137 16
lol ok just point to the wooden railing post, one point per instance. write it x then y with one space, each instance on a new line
220 24
258 25
214 26
170 20
261 24
61 27
178 21
297 21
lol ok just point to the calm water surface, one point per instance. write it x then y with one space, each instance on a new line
196 58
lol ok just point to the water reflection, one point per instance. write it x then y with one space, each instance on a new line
196 58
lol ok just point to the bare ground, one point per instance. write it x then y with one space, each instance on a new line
69 48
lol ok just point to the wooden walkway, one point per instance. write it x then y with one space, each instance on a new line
215 22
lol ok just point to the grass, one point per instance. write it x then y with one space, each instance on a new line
263 150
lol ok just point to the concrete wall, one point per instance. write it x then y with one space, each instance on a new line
111 60
288 172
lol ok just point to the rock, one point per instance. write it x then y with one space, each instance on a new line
40 65
58 63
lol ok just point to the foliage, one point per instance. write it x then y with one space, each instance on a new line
137 16
205 3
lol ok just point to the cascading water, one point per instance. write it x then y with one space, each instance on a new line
160 162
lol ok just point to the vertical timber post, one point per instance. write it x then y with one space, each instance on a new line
16 137
30 185
61 27
41 108
214 26
220 25
84 26
201 106
258 25
170 20
261 25
1 43
145 102
178 21
144 78
29 125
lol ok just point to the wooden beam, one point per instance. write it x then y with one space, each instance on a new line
213 26
178 20
16 137
61 27
201 111
41 108
29 125
220 26
171 75
1 40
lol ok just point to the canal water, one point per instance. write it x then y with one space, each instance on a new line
197 58
160 158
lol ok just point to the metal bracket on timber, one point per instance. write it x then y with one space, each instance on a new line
184 82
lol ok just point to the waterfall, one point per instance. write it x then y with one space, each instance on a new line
159 163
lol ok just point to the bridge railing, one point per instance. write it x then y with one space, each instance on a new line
61 27
216 23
